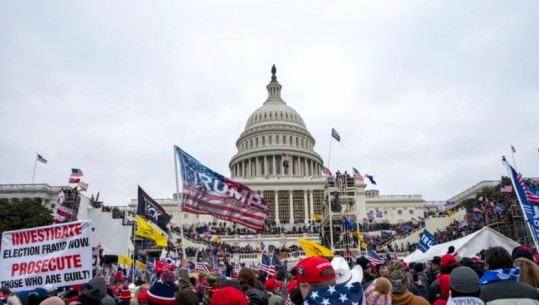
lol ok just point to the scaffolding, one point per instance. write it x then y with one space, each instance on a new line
340 202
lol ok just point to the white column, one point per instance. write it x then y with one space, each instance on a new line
311 200
291 206
277 220
250 171
274 168
305 201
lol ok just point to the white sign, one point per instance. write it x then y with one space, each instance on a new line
58 255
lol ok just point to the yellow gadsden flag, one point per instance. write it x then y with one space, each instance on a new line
313 249
124 260
146 230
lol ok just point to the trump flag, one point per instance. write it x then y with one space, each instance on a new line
208 192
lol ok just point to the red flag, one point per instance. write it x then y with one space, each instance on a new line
74 180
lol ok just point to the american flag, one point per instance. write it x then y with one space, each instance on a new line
326 171
357 175
287 157
335 134
267 265
75 172
202 267
374 258
41 159
63 214
394 255
208 192
350 255
341 294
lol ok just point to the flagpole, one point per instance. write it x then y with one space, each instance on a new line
179 201
520 202
329 154
35 165
134 254
513 154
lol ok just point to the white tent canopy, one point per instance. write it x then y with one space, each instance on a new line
466 246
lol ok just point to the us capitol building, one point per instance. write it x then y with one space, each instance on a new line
296 189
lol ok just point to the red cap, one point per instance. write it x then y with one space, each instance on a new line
272 284
229 296
448 260
310 270
291 285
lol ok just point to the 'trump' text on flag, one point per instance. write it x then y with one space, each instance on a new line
208 192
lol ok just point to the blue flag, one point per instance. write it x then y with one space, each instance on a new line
371 179
426 241
529 200
348 223
386 234
335 134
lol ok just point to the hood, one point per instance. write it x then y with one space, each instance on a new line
99 284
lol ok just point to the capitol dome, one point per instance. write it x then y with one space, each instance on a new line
275 141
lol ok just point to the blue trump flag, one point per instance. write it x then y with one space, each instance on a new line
371 179
529 201
426 241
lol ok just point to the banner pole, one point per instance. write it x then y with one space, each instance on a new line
179 201
35 165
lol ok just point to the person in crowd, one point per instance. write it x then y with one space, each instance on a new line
500 285
142 297
379 293
529 271
163 291
367 273
419 271
399 292
381 270
521 251
52 301
125 296
414 286
250 286
465 288
38 295
200 288
98 283
318 283
434 270
273 289
186 297
439 289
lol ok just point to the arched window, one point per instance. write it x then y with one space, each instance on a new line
263 140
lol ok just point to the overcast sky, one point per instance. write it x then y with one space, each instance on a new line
426 95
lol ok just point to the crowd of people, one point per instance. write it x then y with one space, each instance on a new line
493 276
